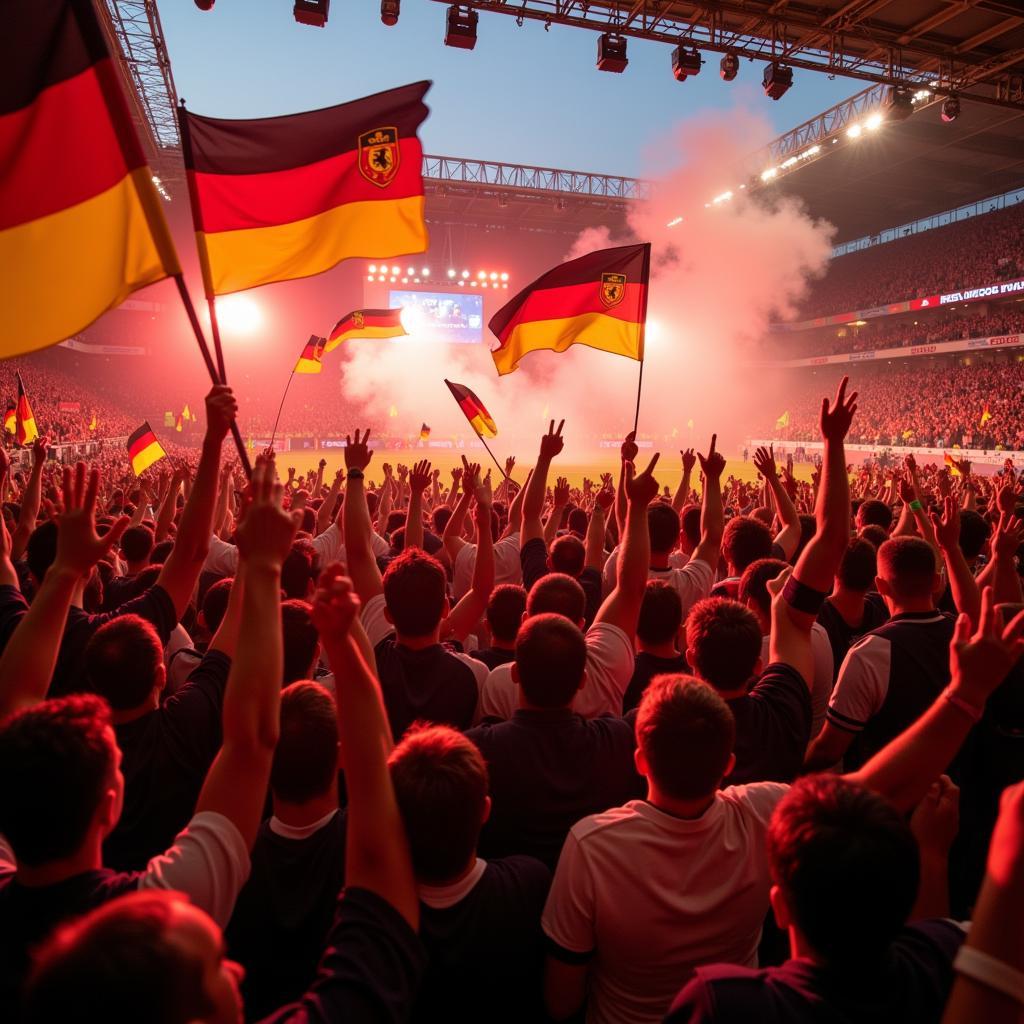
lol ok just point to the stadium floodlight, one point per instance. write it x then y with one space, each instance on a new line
504 277
899 103
425 272
312 12
481 275
369 277
950 108
461 27
451 272
372 268
395 271
729 67
685 63
611 52
874 122
494 275
389 11
854 131
465 274
777 80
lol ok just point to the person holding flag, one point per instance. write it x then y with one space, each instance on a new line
25 430
144 449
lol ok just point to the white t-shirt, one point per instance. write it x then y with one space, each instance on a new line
821 684
610 666
653 896
507 567
692 578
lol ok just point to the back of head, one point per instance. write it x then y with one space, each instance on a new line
441 783
745 540
568 555
907 564
754 583
847 864
123 662
723 642
558 594
859 566
305 762
299 570
974 533
137 543
808 528
873 512
300 640
120 964
661 613
874 535
578 522
551 657
161 552
505 609
397 539
689 522
415 588
663 527
395 520
42 549
686 732
215 603
439 518
56 762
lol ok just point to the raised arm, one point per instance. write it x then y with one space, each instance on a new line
683 490
376 849
515 509
559 505
236 784
789 536
712 515
30 500
452 537
533 504
419 480
597 529
168 505
465 615
946 530
385 500
362 566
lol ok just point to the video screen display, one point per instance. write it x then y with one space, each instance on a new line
441 316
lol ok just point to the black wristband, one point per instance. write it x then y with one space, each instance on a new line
355 474
803 598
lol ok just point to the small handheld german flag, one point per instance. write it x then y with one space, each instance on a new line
312 354
424 432
25 429
10 416
473 409
178 425
144 449
366 323
598 300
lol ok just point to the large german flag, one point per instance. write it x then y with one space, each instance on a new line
283 197
473 409
81 225
25 429
598 300
310 358
366 323
10 417
144 449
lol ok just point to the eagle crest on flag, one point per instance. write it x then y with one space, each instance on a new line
379 156
359 320
613 289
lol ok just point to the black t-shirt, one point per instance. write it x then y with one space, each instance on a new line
431 685
911 984
533 557
773 727
284 912
486 951
29 913
492 657
549 768
646 667
165 756
841 635
370 971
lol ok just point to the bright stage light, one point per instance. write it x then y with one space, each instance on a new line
369 277
853 132
465 275
396 271
451 273
473 283
393 279
425 272
874 122
413 321
410 272
494 276
238 314
504 277
481 275
372 268
769 174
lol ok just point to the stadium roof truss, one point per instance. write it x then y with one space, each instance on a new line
974 48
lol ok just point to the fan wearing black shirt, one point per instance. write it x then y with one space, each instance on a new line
657 639
505 609
479 920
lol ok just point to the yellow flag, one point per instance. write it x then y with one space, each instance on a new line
782 421
92 425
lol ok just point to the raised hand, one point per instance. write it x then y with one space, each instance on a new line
552 442
605 498
403 473
764 462
979 663
607 481
561 491
483 495
419 479
947 527
79 547
836 418
357 452
689 458
335 604
221 410
470 475
906 489
1009 535
40 446
641 488
510 464
713 464
266 531
629 449
1007 494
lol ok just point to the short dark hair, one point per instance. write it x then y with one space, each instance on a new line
56 761
117 960
441 783
505 609
122 659
215 603
568 555
161 552
745 540
661 613
137 543
306 756
578 521
299 638
907 564
808 528
298 569
859 565
723 641
559 594
873 512
397 539
42 548
754 582
689 523
415 587
439 518
874 534
687 733
551 657
974 533
662 527
848 865
395 520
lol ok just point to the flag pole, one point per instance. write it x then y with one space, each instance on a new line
489 452
273 433
646 274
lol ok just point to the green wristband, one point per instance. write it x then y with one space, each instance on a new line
916 506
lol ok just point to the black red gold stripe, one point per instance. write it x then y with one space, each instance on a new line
473 409
25 429
366 323
144 449
311 356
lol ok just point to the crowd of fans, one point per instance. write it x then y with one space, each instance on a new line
383 746
969 253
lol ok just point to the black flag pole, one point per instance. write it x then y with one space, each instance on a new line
273 433
643 330
492 455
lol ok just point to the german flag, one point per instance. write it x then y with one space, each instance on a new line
10 417
312 353
366 323
144 449
425 430
598 300
178 426
81 224
278 198
473 409
25 429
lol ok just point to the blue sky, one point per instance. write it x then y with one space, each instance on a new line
522 96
